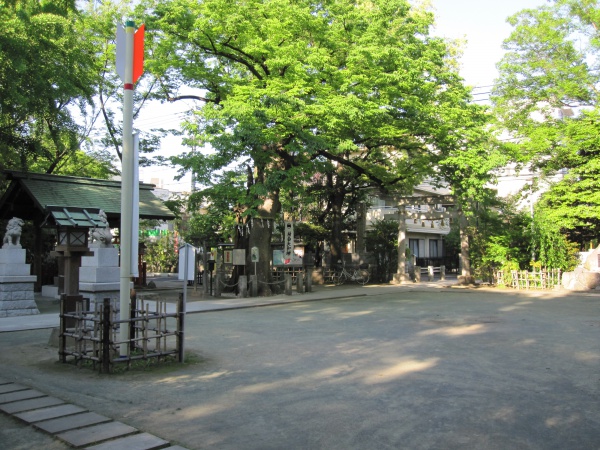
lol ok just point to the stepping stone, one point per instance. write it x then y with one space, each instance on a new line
71 422
176 447
143 441
27 405
96 433
11 387
20 395
49 413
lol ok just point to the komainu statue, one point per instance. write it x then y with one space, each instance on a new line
101 236
12 237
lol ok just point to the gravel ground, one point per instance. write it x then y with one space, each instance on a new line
406 368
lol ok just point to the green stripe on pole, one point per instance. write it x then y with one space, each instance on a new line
130 23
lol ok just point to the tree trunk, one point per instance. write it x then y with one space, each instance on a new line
261 231
337 224
257 232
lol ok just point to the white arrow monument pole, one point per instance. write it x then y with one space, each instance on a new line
126 189
130 66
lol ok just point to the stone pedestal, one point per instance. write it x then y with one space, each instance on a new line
99 275
16 284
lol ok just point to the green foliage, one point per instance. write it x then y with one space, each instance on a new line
161 254
46 70
294 89
209 227
382 242
59 91
547 98
573 202
553 248
500 237
312 235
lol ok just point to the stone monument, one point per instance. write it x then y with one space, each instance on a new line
586 276
16 281
99 275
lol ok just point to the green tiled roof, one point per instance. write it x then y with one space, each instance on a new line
41 191
76 217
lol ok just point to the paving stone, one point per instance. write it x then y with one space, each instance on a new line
53 412
176 447
20 395
96 433
71 422
12 387
3 381
27 405
143 441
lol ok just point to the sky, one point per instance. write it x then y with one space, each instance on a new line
480 23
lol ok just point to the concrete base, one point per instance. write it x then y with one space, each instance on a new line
401 278
17 299
98 295
16 284
466 280
99 276
50 291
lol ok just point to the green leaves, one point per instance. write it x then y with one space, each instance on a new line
291 81
46 71
547 98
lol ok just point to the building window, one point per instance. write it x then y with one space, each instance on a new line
434 249
417 247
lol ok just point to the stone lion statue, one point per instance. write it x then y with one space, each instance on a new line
12 237
101 236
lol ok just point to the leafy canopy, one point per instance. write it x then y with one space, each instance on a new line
297 88
547 98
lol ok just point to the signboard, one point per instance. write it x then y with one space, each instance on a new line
239 257
191 252
279 260
228 256
254 254
288 240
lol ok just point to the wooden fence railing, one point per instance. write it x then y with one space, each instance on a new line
93 336
522 279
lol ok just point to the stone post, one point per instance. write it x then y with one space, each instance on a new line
218 286
288 283
308 263
417 274
253 286
300 282
243 281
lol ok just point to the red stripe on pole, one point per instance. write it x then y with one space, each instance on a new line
138 53
128 86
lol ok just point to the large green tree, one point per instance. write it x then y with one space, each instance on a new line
60 96
547 98
291 89
46 73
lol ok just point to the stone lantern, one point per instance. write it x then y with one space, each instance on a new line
72 230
